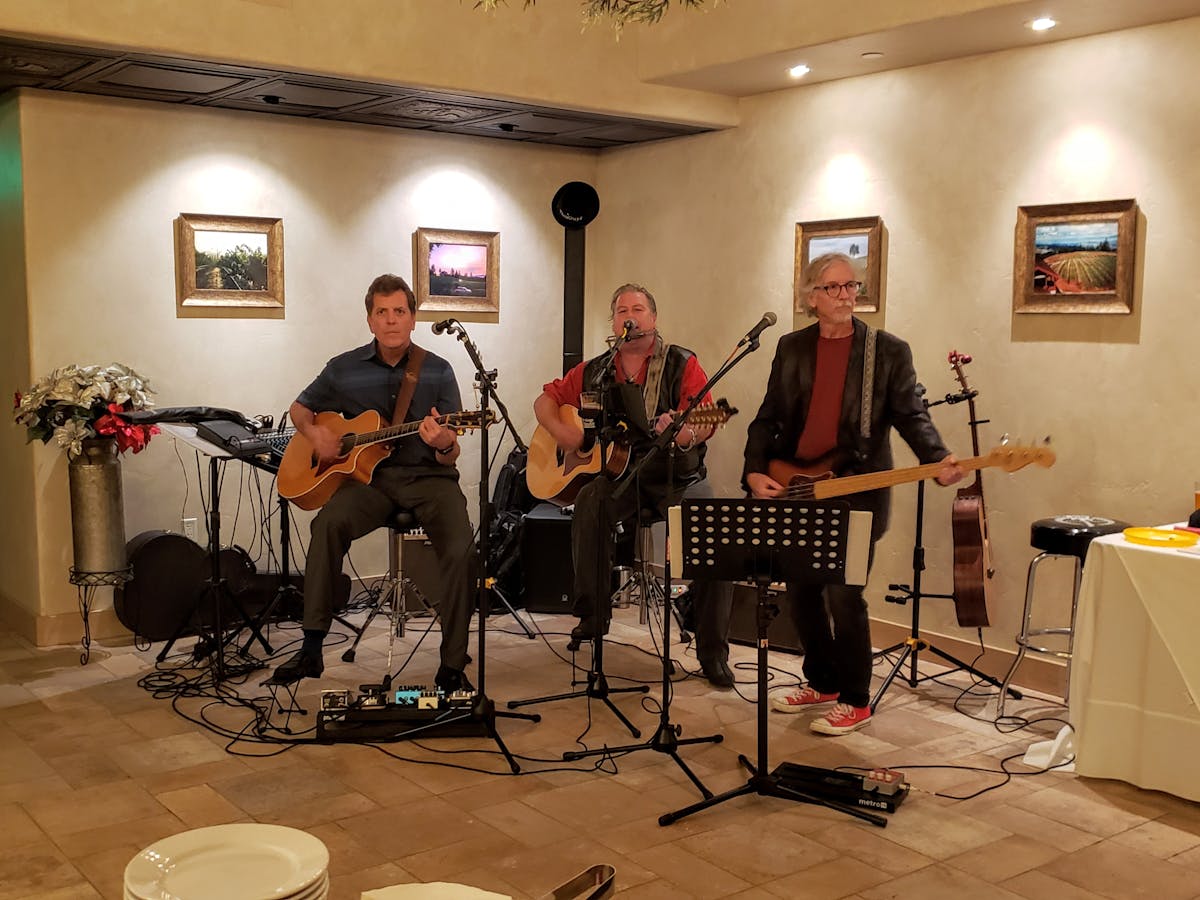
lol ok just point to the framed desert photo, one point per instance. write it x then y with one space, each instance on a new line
456 271
1075 257
860 239
228 266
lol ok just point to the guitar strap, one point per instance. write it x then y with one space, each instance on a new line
412 372
868 385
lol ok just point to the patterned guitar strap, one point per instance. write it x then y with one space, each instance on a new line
868 386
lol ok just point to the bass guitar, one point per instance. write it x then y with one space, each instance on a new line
816 480
557 476
309 483
973 572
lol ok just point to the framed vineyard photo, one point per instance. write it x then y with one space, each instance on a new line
860 239
228 266
456 271
1075 257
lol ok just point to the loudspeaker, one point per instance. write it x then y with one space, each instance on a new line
546 560
743 621
575 204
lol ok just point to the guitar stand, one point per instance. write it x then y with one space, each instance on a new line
910 648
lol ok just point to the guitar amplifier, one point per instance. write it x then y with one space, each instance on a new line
546 560
743 621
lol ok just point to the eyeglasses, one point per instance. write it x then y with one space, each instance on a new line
833 290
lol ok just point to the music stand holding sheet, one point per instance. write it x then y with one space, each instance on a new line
215 589
765 541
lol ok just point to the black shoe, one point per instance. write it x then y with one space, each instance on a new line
452 680
717 672
585 631
302 665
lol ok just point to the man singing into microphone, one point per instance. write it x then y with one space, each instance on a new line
816 410
666 377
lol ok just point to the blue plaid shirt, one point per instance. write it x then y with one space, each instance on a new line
358 380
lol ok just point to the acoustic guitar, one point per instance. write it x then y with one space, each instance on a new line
557 476
973 571
309 483
816 480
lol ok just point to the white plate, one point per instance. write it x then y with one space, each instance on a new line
247 861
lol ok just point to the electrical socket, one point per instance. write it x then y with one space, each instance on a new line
190 528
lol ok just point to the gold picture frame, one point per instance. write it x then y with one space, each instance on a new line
228 266
1075 257
456 271
861 239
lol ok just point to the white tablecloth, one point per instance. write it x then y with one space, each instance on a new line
1135 675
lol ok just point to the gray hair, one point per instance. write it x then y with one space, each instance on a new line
812 274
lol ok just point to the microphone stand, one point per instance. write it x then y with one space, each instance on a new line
484 709
666 737
596 684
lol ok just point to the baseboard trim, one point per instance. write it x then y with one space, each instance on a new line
1037 673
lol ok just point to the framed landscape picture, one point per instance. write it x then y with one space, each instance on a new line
228 265
1075 257
860 239
456 271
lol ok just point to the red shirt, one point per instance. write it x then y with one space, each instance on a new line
566 390
825 408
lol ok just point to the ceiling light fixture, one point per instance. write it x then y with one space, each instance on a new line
799 71
1044 23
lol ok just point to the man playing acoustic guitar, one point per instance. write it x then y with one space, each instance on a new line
817 415
664 378
418 474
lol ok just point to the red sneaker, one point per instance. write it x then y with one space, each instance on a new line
842 719
797 700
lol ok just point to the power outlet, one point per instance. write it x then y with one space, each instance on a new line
190 528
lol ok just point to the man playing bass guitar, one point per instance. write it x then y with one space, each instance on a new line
664 377
418 474
814 410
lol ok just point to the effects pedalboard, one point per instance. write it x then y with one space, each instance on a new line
392 714
881 789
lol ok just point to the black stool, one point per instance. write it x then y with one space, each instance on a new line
401 526
1060 537
642 584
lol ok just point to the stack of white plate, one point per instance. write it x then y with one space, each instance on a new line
231 862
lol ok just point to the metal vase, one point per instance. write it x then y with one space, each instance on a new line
97 507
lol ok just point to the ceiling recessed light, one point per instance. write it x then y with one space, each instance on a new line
872 54
799 71
1045 23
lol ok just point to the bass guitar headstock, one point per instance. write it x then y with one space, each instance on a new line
1011 457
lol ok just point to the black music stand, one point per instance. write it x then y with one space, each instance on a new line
216 591
766 541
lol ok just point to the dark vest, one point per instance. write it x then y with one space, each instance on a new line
689 466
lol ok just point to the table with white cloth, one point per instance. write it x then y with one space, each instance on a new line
1135 671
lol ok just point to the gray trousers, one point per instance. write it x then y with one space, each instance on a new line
357 509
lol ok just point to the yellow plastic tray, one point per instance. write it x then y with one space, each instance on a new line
1161 537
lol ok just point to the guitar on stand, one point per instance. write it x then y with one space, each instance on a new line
973 571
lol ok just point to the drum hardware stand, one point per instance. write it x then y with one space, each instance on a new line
911 647
596 685
286 590
666 736
763 566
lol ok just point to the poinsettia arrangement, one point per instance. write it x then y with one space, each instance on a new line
74 403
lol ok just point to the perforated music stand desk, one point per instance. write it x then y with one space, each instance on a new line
215 588
765 541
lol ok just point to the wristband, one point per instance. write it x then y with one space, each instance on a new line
447 451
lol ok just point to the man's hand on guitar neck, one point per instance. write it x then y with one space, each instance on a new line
950 472
441 438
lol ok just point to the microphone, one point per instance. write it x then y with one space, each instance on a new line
768 319
445 325
627 334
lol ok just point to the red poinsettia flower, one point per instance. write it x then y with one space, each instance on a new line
129 436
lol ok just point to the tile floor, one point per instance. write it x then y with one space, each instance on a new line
93 767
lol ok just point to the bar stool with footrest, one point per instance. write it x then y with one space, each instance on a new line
1059 537
401 526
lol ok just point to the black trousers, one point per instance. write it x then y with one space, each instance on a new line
357 509
597 513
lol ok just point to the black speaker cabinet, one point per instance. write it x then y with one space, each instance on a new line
421 567
743 621
546 560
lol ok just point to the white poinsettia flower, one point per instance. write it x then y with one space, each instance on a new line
71 436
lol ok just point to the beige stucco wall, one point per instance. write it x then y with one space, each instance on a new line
104 181
945 154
